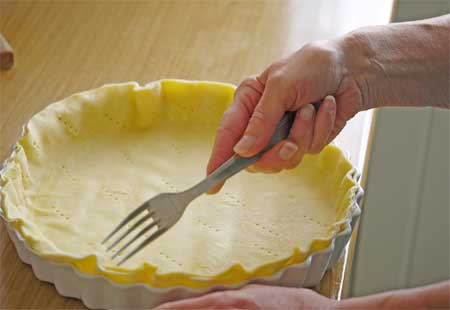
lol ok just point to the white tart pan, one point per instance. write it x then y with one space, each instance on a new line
98 292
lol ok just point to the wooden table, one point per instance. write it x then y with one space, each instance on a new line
66 47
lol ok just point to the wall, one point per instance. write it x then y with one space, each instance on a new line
404 234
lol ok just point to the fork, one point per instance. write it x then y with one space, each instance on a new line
167 208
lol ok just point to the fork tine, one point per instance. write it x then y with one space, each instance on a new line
129 230
130 216
143 231
144 243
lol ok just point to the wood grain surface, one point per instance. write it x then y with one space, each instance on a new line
63 47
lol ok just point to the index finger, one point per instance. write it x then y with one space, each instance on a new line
234 122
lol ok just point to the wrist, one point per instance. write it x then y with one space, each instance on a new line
435 296
380 301
358 67
403 64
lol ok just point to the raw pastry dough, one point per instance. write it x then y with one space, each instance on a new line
87 161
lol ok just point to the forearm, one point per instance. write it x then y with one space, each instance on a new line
434 296
403 64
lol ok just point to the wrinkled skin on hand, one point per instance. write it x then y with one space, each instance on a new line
255 297
315 73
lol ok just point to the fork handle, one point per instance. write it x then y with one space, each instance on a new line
238 163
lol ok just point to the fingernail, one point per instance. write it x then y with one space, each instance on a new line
329 97
307 112
287 150
245 144
330 107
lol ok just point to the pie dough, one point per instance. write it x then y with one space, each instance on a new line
85 162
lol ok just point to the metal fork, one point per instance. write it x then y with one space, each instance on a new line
167 208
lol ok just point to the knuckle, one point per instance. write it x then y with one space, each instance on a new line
305 88
249 85
227 117
223 129
256 123
248 81
276 79
258 116
321 49
276 66
279 80
248 100
227 114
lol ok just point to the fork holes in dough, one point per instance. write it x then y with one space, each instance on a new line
167 257
115 121
270 231
68 126
171 186
208 226
267 251
67 173
35 145
234 200
59 212
127 158
176 148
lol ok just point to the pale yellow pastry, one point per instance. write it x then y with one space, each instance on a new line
85 162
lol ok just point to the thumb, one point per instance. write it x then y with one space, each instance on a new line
262 124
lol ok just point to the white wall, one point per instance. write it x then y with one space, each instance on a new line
404 233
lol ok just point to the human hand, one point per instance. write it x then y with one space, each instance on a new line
253 297
293 84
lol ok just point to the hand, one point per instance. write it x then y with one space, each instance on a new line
255 297
292 84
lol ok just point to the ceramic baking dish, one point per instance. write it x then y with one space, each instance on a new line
98 291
